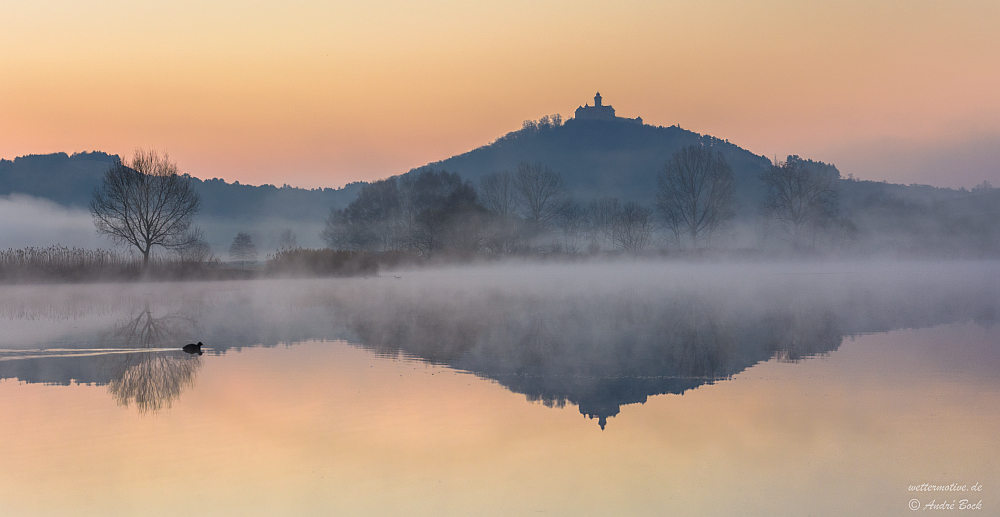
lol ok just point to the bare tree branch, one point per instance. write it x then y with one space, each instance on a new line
800 198
145 203
695 192
541 191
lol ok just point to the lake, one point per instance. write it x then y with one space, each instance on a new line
631 388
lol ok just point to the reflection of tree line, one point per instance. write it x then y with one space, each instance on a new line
596 347
599 354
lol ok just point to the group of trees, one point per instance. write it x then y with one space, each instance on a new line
696 197
531 209
801 200
144 203
427 211
518 212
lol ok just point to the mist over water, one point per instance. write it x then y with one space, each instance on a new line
462 384
596 336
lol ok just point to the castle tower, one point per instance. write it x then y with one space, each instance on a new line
601 112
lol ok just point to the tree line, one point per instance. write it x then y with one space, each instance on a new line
531 210
144 203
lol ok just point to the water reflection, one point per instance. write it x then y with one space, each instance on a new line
149 381
586 336
620 352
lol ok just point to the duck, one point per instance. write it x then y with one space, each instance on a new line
193 348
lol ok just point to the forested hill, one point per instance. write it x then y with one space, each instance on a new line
67 180
70 181
602 158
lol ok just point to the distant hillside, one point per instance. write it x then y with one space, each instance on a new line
67 180
70 181
612 157
603 157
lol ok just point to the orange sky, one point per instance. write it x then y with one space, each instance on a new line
314 93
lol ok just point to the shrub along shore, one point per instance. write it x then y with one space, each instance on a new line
62 264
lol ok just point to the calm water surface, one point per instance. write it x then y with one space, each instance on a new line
633 389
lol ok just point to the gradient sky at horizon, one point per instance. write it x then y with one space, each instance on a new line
316 93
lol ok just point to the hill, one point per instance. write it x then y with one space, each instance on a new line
70 181
600 155
596 158
265 211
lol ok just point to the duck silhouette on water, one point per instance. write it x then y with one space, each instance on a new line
193 348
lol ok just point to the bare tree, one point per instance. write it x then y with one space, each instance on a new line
696 192
572 223
601 215
287 240
242 248
497 194
144 202
801 198
633 227
499 197
197 249
378 220
541 192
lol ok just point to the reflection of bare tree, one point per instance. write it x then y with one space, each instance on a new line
150 380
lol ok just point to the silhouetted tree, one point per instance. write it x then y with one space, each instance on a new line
541 192
572 224
601 215
696 192
801 197
985 186
443 211
145 203
374 221
497 194
242 248
499 197
633 227
287 240
197 249
423 211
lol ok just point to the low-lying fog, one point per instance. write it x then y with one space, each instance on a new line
34 222
594 335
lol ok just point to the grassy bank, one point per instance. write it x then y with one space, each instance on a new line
62 264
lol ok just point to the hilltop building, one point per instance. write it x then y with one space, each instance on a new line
601 112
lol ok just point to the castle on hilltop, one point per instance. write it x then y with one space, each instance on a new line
601 112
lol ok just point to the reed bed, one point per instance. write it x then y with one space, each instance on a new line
62 264
296 262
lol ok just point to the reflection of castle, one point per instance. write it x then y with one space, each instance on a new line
601 112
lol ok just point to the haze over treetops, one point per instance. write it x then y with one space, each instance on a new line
315 94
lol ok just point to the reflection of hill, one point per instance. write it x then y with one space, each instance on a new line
600 344
598 354
598 337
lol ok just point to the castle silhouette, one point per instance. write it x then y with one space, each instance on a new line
601 112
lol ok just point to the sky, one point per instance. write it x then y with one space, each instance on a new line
319 93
